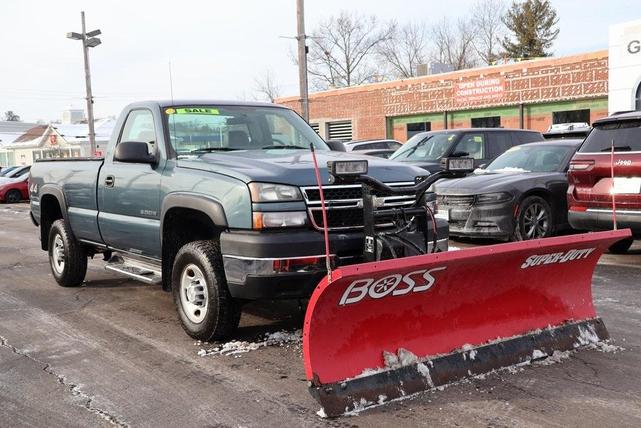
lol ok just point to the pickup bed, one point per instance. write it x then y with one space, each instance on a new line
215 200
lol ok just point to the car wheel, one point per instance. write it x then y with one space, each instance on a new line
534 219
13 196
622 246
67 257
205 308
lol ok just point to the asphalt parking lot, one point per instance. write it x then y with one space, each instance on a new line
113 352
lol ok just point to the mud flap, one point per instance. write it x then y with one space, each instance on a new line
388 329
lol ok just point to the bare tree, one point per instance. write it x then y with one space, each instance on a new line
266 86
487 18
10 116
342 49
453 42
404 49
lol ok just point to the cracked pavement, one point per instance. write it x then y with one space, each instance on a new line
113 353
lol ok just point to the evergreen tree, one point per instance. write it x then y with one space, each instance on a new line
533 27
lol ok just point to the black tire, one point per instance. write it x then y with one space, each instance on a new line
528 224
622 246
206 311
74 257
13 196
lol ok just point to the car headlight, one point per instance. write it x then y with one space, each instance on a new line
269 220
269 192
493 198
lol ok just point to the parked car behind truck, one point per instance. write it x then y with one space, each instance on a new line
591 185
427 149
217 201
519 196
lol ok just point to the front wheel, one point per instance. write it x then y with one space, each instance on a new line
67 257
205 308
622 246
534 219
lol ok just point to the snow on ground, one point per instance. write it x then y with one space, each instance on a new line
236 347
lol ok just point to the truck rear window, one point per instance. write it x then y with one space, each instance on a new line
626 136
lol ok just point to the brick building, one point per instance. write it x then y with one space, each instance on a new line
530 94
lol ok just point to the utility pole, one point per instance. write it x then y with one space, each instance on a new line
302 58
88 41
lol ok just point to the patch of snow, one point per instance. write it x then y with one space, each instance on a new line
587 335
425 372
322 413
406 358
452 248
537 354
236 347
381 399
510 169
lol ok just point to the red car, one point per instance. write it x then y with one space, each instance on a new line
15 188
591 187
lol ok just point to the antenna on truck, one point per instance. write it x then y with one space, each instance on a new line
328 263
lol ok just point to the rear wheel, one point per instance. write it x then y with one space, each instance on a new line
534 219
13 196
622 246
205 308
67 257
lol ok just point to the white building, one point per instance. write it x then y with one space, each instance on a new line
624 86
70 116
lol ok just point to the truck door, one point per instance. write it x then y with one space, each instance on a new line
129 193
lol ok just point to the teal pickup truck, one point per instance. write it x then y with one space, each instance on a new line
215 200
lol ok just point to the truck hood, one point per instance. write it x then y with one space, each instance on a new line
431 166
293 166
487 183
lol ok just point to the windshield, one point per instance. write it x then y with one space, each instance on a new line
423 147
194 130
626 136
537 158
17 172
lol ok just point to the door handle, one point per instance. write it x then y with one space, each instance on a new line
109 181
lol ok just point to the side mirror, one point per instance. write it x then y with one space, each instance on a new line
481 166
336 145
134 152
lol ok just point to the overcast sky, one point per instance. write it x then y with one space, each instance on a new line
216 48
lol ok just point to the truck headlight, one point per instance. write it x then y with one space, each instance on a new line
493 198
269 192
270 220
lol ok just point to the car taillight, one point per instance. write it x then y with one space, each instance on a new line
581 165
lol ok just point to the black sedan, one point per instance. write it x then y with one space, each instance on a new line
520 195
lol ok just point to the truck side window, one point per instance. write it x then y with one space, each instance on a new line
139 127
472 144
498 143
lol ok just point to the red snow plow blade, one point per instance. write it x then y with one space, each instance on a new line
383 330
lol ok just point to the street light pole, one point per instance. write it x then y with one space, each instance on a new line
88 41
302 59
85 51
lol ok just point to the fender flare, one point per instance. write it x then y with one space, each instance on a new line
55 191
198 202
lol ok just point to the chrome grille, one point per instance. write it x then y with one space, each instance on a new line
345 205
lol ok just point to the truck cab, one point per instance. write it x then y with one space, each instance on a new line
218 201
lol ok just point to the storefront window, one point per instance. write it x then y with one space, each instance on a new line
486 122
415 128
637 100
571 116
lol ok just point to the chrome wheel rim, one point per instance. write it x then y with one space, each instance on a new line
535 221
58 255
193 293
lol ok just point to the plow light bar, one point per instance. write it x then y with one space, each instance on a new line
349 168
459 164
